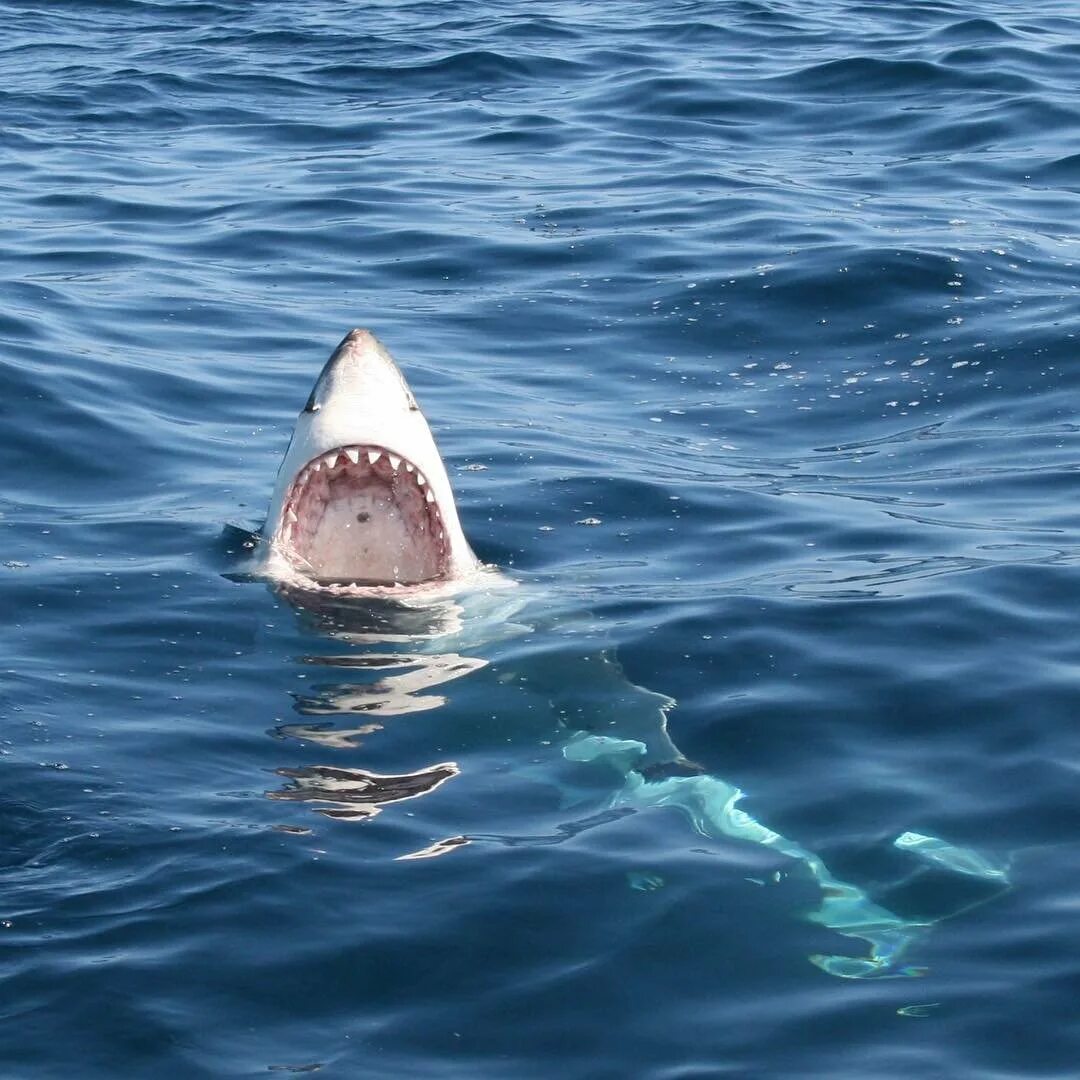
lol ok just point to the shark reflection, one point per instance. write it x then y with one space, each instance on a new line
383 685
356 794
333 738
389 694
396 689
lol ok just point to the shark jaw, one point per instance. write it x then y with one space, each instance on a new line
363 502
364 516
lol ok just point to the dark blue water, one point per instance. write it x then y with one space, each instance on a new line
781 296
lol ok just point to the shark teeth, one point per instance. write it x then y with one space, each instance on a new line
291 517
332 459
429 495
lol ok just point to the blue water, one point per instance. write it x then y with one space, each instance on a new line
781 297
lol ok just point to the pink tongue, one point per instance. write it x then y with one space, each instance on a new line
369 531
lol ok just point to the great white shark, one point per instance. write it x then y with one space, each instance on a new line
363 516
363 502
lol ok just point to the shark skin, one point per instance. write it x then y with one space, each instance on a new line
364 539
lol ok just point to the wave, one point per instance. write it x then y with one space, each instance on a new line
866 75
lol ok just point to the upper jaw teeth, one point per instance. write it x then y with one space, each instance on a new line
352 453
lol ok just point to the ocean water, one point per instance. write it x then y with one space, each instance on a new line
748 330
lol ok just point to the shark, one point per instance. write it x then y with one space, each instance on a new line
364 538
362 502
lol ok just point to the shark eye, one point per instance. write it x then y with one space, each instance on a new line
312 405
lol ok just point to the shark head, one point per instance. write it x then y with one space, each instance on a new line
362 499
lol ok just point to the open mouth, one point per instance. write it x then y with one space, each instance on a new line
361 515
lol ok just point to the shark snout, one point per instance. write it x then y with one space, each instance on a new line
361 371
359 351
358 341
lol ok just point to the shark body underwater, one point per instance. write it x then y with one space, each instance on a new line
363 535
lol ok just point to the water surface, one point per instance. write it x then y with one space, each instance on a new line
748 332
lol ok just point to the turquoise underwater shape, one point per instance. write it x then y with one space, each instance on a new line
710 803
